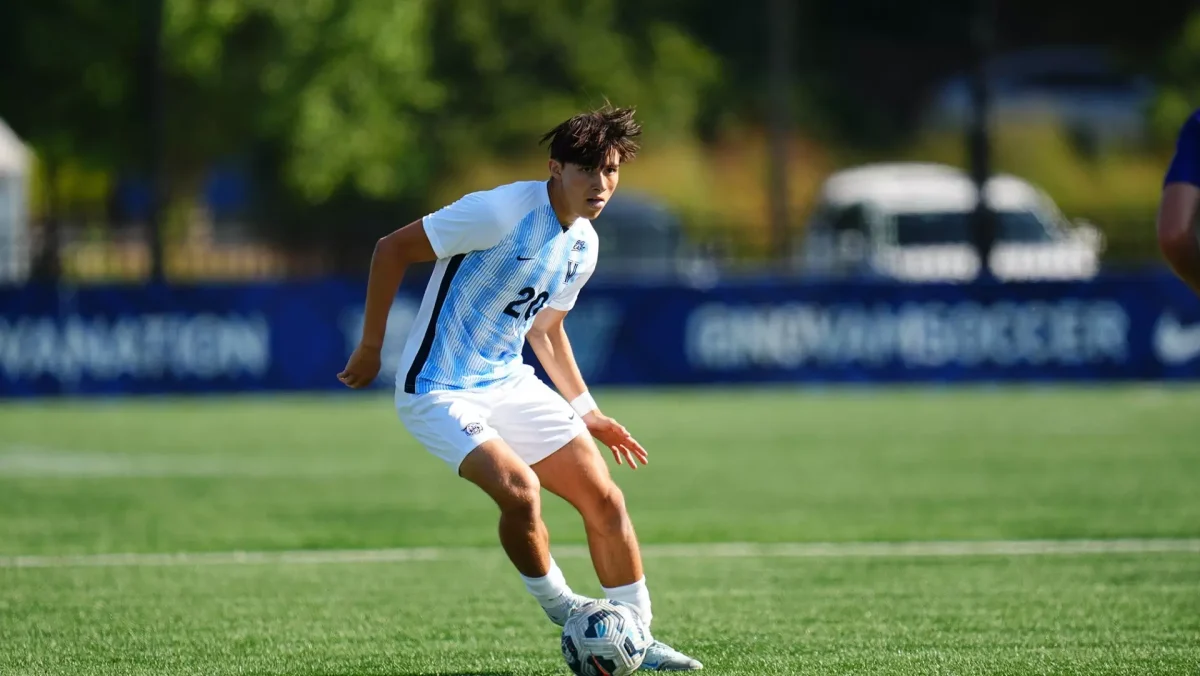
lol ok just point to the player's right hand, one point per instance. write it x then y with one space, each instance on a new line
362 367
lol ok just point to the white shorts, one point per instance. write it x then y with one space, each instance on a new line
529 416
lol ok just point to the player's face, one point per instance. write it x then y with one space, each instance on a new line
588 189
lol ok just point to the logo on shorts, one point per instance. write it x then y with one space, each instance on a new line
473 429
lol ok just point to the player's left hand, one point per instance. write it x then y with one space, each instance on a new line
618 439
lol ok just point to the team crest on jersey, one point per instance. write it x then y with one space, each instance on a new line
572 270
580 245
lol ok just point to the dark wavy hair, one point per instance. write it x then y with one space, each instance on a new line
588 138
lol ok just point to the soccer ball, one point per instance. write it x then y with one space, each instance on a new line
602 638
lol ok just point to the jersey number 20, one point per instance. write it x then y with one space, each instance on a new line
524 296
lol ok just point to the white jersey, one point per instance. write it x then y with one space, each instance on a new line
502 257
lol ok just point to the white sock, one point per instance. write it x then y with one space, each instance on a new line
636 595
548 587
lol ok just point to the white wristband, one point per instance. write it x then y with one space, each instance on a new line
584 404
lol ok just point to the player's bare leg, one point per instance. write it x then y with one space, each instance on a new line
578 474
515 488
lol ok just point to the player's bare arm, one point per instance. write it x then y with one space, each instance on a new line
548 339
1177 236
393 255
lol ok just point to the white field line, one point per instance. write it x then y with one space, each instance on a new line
19 460
950 548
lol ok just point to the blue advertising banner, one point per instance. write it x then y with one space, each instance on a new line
297 336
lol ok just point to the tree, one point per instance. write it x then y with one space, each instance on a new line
370 94
338 85
515 68
1179 86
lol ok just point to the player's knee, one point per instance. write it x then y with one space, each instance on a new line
521 495
608 513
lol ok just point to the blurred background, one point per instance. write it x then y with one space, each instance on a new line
190 193
162 159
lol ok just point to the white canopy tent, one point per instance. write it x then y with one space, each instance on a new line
15 250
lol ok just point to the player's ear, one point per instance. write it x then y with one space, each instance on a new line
556 169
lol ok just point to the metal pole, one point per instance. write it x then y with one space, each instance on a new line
157 130
48 266
781 18
983 220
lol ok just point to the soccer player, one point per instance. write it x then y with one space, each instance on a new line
1177 235
510 264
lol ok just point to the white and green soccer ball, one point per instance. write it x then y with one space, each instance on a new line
602 638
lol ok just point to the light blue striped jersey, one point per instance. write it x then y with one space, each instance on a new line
502 257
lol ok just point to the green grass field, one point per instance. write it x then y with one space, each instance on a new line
270 476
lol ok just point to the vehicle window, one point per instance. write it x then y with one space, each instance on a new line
918 229
849 219
1077 80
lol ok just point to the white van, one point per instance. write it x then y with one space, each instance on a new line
15 253
912 222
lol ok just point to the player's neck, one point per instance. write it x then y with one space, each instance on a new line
558 202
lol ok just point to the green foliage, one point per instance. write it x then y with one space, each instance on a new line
350 111
1179 87
504 91
338 85
69 85
374 96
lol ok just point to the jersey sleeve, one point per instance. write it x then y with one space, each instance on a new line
472 223
1185 166
565 298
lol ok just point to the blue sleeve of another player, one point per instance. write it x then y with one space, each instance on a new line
1185 167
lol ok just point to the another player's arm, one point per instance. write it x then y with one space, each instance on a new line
1177 236
548 338
393 255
